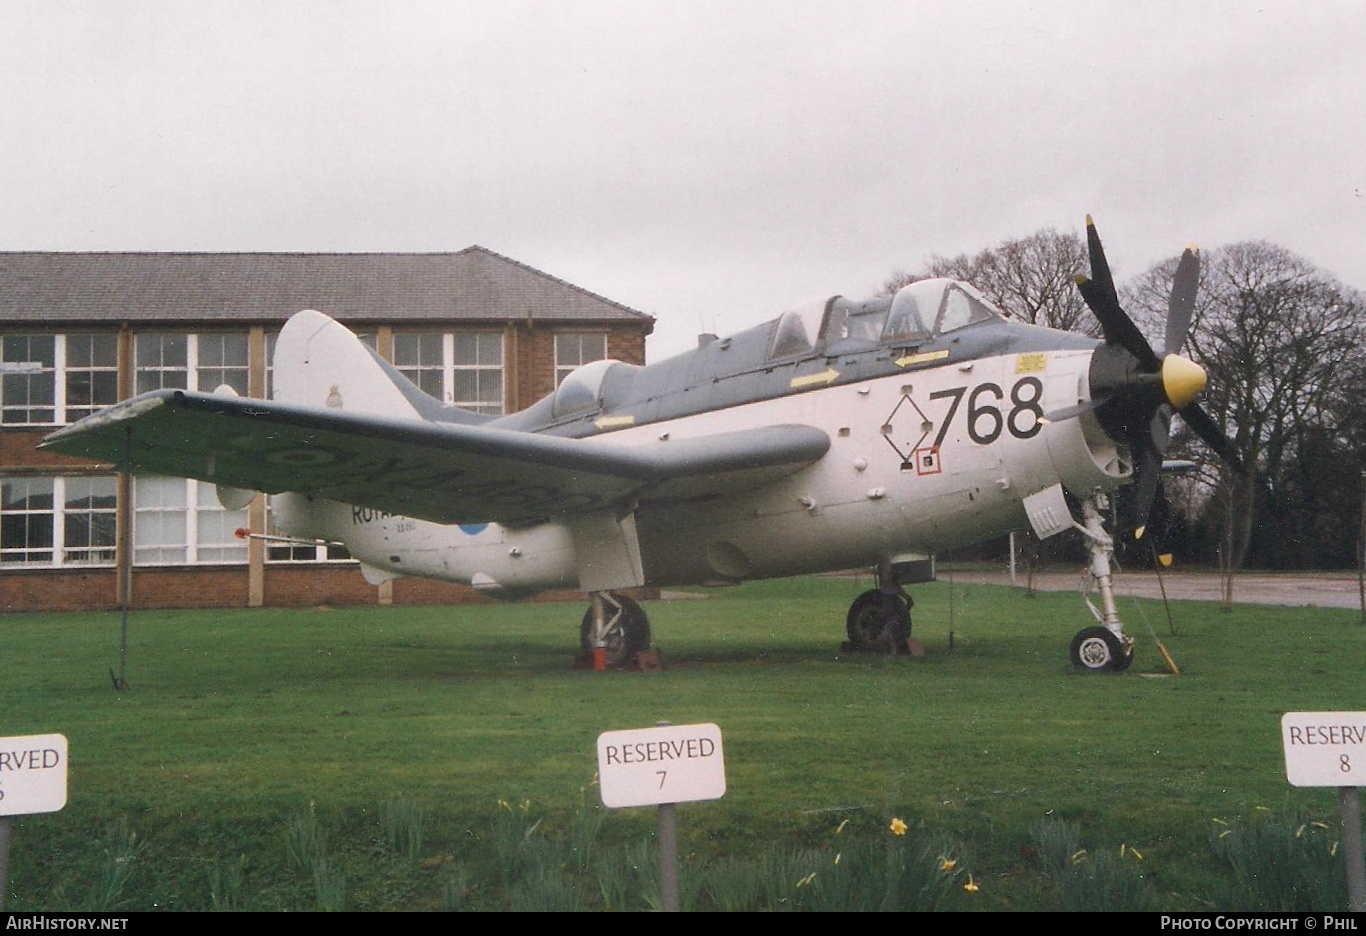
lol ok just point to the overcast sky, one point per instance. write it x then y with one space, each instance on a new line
710 163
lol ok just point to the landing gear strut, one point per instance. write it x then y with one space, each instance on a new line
880 620
1103 647
624 631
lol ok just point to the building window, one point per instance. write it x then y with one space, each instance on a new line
464 369
223 360
162 360
574 350
48 380
302 551
28 392
169 359
178 521
478 372
89 520
92 373
62 521
421 358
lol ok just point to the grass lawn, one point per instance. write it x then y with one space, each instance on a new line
342 735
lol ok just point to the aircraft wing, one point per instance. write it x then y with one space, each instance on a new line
447 473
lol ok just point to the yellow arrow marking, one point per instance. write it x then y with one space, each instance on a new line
824 378
923 358
615 422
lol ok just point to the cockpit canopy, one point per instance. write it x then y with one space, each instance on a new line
582 390
917 313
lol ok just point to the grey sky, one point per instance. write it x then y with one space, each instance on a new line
708 163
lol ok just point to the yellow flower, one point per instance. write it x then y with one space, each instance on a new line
1220 821
947 864
838 856
1319 825
1333 852
1225 832
807 880
898 827
503 804
971 886
1136 853
1261 808
840 828
1299 833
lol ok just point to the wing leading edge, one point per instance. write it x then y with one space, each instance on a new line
432 471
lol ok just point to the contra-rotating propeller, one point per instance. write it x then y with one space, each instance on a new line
1133 390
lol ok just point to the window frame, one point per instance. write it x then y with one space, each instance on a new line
191 509
59 377
58 549
563 368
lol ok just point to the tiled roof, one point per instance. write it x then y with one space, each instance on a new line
474 284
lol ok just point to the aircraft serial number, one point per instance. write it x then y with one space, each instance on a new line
986 419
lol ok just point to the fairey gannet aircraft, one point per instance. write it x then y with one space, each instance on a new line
841 434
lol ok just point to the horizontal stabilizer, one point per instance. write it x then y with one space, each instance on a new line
443 472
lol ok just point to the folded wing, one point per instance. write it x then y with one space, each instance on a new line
447 473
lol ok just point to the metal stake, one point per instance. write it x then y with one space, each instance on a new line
4 858
668 852
1351 849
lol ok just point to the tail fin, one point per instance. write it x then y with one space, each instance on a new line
319 362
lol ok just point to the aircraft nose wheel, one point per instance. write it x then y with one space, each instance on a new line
1096 649
627 632
879 622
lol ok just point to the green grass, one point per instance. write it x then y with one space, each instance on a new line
398 730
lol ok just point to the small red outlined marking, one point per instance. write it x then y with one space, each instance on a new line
927 460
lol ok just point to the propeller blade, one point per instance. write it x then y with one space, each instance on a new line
1203 426
1100 267
1116 326
1147 473
1181 306
1079 409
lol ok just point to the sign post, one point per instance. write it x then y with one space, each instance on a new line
32 780
662 766
1328 749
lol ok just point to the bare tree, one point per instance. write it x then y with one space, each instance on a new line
1278 338
1032 278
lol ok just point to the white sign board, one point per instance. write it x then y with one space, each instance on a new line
1325 749
32 774
650 766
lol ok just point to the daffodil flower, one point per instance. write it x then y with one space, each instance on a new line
840 828
807 880
971 886
898 827
947 864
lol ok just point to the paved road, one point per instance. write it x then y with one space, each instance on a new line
1316 589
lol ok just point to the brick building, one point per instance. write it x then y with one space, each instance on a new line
79 331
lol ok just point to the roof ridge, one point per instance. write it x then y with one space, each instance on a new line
555 279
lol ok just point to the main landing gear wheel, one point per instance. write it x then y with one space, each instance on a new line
1096 649
626 636
880 622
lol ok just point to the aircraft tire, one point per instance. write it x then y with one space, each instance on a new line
1096 649
869 630
630 639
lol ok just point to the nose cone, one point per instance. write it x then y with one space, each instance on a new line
1182 380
